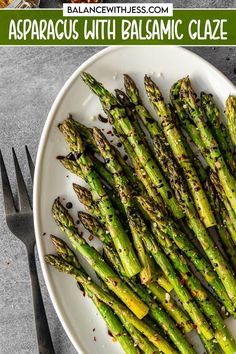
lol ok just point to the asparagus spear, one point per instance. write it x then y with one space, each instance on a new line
124 101
118 114
168 165
117 329
155 132
150 123
94 226
207 243
188 302
140 171
200 294
69 162
202 173
86 134
85 197
163 319
111 301
187 124
169 228
148 272
157 313
210 346
64 251
67 225
232 216
169 305
136 221
139 179
74 168
212 149
230 113
190 306
212 114
180 238
139 339
120 238
142 175
122 186
174 138
195 136
221 213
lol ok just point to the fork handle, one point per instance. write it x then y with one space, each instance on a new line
44 339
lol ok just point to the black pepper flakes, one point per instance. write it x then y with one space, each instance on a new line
70 156
77 155
69 205
109 332
102 119
90 238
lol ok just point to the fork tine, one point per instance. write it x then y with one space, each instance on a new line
30 163
24 201
9 203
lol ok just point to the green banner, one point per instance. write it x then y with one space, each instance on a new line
186 27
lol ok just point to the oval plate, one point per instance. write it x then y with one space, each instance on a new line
78 315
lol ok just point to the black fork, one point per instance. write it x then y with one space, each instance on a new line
20 223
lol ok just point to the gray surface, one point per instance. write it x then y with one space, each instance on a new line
30 79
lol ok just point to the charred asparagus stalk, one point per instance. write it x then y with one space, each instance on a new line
174 138
86 134
86 198
135 220
230 113
120 238
212 149
72 166
210 346
80 276
169 305
158 314
160 229
232 216
219 131
148 186
222 221
171 230
208 245
122 185
67 225
202 173
118 330
118 114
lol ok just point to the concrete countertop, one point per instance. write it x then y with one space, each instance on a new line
30 79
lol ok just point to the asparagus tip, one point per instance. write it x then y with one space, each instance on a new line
50 259
58 243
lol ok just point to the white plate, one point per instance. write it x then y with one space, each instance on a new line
166 64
